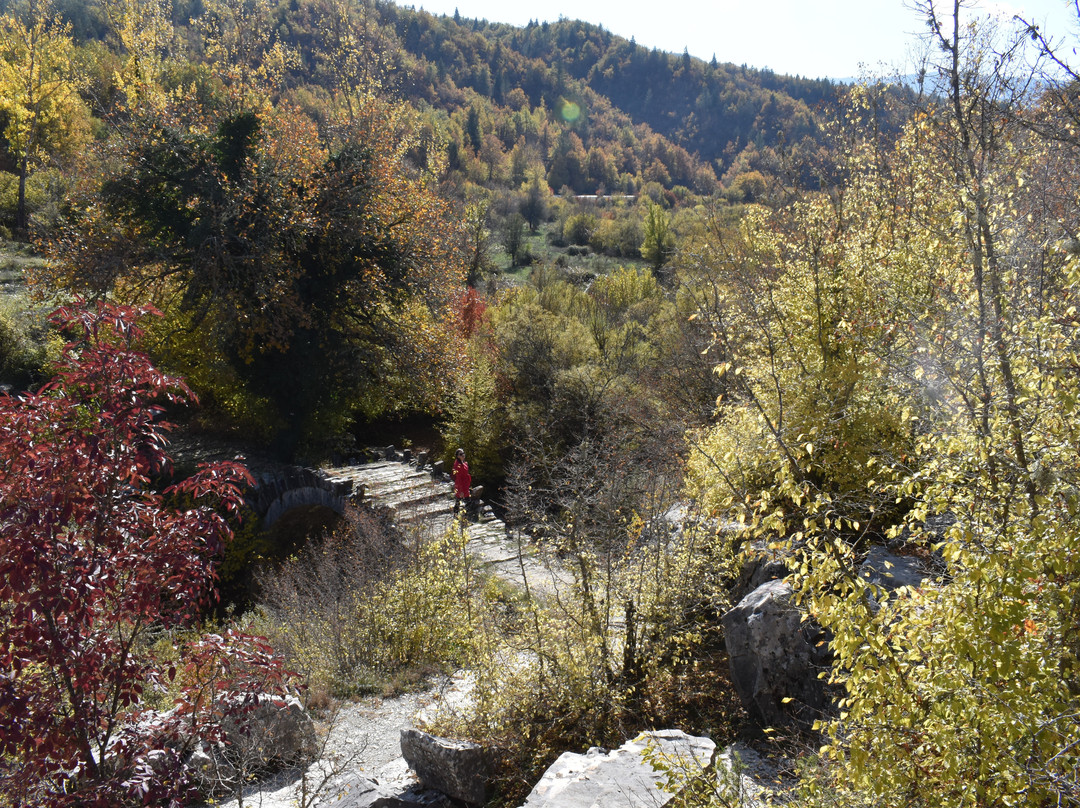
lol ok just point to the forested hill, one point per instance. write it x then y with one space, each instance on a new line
594 111
712 109
702 106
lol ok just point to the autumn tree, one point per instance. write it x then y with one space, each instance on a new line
39 101
477 236
534 205
144 35
938 284
981 667
95 564
514 238
320 257
240 40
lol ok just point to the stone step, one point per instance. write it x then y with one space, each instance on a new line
417 500
402 497
425 510
488 532
375 486
372 470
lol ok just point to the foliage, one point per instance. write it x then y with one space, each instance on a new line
94 564
813 309
367 604
322 257
585 63
475 416
44 198
622 643
41 110
476 238
659 243
514 239
556 363
23 348
934 283
986 656
534 204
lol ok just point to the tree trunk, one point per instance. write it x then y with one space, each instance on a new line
21 219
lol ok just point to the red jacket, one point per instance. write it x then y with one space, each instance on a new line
462 479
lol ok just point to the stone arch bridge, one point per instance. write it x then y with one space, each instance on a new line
409 488
277 492
416 495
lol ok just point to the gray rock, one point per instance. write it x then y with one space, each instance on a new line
762 565
360 792
624 778
774 656
271 734
459 769
891 571
275 731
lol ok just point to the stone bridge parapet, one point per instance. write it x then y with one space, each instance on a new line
281 491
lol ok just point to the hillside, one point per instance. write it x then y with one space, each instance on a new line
712 110
590 110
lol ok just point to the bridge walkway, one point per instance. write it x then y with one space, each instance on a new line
424 499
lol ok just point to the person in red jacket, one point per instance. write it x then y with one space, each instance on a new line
462 480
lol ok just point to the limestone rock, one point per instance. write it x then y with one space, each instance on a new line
361 792
774 655
762 565
622 778
891 571
459 769
268 735
275 731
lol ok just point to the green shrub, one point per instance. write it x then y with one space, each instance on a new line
578 228
24 346
367 605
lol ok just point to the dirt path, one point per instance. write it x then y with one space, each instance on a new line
362 748
361 751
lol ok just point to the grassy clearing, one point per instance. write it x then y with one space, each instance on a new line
579 263
15 259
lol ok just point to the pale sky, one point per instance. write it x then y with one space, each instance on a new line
814 38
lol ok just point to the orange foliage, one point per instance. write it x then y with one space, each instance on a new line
318 256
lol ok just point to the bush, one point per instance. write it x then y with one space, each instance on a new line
23 347
94 566
578 228
620 236
368 605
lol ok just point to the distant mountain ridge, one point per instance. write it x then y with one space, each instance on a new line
591 111
712 110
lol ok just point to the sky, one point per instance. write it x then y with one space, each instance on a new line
813 38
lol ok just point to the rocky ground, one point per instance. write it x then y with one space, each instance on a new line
361 740
359 763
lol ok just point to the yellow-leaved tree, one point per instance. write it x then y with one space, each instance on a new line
42 113
969 684
940 280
